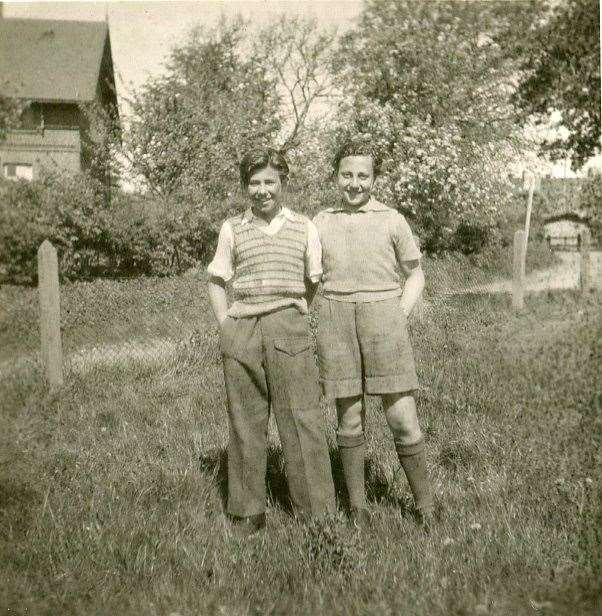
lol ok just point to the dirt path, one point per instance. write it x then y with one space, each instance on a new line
565 275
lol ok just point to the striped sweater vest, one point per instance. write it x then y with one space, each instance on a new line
269 267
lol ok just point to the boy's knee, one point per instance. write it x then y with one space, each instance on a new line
399 400
349 413
404 433
350 425
404 426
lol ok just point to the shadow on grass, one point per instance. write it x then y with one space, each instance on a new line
215 463
379 488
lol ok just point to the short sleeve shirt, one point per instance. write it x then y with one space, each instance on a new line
362 250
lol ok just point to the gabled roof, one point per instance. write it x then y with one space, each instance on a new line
568 216
51 60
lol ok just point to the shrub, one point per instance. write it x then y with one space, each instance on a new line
471 238
67 210
131 236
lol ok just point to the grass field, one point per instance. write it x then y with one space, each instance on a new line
112 490
106 312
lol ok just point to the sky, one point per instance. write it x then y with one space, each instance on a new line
143 32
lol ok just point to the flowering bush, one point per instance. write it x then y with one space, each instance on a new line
452 198
429 84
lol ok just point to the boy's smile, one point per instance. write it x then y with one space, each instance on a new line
355 180
264 191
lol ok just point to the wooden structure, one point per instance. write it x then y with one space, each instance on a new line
50 315
56 67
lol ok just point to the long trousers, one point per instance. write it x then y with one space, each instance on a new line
269 362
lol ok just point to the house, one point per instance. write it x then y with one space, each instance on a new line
566 231
565 224
56 67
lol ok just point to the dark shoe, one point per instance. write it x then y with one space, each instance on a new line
245 527
360 518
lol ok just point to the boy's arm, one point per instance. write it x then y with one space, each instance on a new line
313 263
216 288
221 270
408 258
414 285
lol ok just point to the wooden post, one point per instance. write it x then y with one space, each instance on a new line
50 314
585 264
529 208
518 271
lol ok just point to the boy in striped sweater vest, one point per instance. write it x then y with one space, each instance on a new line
363 343
273 256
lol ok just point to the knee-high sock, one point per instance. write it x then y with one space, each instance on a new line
413 461
352 451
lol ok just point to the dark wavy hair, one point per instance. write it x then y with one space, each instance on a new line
358 147
260 158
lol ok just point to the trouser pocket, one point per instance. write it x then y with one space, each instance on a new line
295 385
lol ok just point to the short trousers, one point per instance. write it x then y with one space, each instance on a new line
364 347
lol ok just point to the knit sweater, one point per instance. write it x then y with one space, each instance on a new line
269 268
362 250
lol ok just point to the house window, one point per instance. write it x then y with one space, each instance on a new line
18 171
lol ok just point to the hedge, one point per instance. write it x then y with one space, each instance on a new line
130 236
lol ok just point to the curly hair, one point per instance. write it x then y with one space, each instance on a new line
358 147
260 158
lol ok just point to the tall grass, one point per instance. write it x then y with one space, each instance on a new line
112 490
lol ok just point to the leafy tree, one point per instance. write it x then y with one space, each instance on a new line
562 73
190 125
222 91
10 114
590 199
431 85
102 144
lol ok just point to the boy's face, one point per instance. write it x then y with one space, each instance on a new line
355 180
264 191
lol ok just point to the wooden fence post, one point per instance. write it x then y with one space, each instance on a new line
585 264
518 271
50 314
529 209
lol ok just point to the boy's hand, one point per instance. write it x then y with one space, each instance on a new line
413 287
217 297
